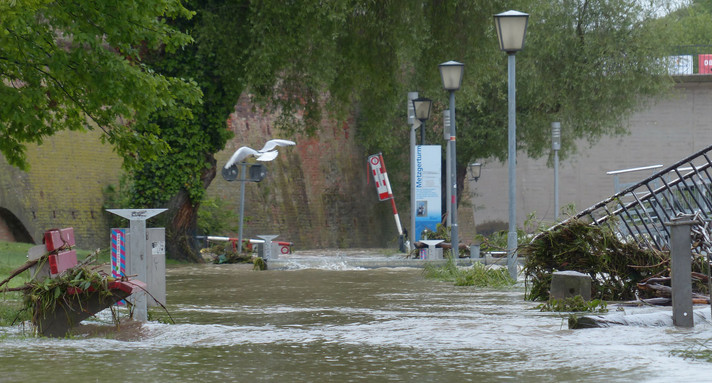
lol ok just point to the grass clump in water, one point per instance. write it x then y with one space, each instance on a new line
701 351
574 304
477 275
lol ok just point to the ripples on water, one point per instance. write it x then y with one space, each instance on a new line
306 325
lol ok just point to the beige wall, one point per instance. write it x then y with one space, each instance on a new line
63 187
667 132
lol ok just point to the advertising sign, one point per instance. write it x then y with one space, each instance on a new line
705 64
428 195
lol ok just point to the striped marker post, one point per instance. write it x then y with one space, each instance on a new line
383 186
118 255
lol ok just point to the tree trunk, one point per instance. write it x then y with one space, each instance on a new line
183 220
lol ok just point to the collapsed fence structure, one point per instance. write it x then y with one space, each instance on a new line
638 213
623 242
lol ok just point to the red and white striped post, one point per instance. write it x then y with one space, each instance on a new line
383 187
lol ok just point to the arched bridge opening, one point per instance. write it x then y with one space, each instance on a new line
12 229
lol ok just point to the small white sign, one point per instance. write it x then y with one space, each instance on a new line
680 65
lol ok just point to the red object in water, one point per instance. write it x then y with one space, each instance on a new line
128 287
131 286
62 261
56 239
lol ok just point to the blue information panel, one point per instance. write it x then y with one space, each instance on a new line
428 195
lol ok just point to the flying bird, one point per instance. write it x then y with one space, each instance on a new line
240 155
267 153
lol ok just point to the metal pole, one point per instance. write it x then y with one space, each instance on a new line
681 283
243 179
411 121
512 138
555 146
709 279
556 185
474 207
448 166
412 235
422 132
455 241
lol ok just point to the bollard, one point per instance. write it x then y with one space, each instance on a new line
568 284
267 247
475 252
681 264
432 250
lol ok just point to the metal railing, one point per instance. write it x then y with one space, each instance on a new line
639 212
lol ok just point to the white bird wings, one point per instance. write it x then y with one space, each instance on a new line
240 155
267 156
267 153
272 144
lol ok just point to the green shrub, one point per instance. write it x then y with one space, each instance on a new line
477 275
574 304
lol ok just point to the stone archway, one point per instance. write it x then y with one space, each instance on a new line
11 229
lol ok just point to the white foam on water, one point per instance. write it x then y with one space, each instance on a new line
394 320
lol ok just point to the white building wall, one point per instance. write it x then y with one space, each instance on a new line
671 129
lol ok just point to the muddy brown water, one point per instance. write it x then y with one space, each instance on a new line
334 324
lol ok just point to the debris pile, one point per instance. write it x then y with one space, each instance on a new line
619 271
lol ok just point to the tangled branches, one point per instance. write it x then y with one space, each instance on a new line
615 267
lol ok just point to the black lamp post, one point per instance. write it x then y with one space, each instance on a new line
422 113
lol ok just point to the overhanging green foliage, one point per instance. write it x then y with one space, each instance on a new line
75 65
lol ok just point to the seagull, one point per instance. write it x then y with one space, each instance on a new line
267 153
240 155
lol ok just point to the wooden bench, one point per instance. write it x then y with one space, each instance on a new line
76 304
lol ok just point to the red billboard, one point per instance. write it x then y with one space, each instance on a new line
705 64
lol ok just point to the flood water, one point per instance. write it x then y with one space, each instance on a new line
335 324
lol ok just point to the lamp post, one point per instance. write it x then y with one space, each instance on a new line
511 29
422 113
451 75
448 170
256 171
475 171
412 122
555 146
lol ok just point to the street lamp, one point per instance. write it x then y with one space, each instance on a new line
422 113
451 75
555 146
511 30
475 170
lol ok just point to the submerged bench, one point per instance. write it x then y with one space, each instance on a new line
75 303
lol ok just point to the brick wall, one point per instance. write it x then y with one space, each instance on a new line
315 193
